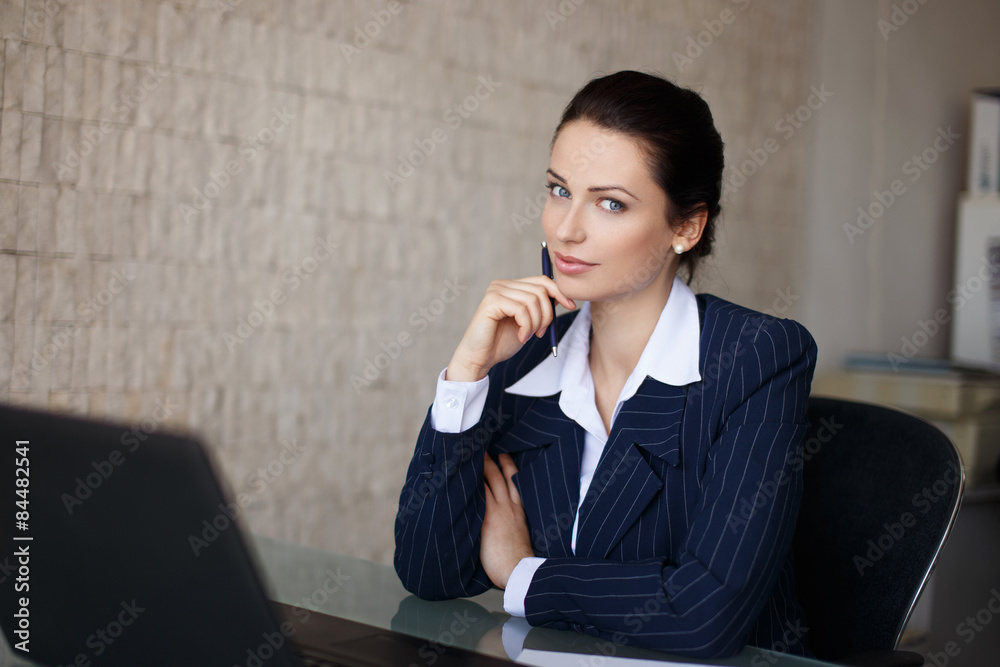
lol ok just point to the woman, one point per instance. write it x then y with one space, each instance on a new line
647 478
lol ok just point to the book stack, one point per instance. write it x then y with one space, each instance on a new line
975 296
984 143
963 402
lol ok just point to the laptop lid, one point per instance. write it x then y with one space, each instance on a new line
111 544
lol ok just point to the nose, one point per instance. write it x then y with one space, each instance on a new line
569 227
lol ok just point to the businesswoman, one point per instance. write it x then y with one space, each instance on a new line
642 484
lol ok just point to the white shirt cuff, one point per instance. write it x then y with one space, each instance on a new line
515 630
517 585
458 406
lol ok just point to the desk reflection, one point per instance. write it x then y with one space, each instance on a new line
370 593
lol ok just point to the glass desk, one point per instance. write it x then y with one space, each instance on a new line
370 593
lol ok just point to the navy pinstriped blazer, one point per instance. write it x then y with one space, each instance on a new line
684 536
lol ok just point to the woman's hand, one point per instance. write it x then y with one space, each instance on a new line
504 539
509 313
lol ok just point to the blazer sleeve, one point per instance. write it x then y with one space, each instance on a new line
704 601
441 511
443 501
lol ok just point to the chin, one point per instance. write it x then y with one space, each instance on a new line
599 293
572 287
598 284
581 294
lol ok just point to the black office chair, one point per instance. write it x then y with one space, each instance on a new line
881 492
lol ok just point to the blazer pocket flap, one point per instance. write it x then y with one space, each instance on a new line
522 436
541 425
669 451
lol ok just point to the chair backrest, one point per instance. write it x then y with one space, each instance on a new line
881 492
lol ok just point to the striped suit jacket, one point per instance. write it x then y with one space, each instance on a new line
684 535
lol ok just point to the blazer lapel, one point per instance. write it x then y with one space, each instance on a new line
624 483
548 476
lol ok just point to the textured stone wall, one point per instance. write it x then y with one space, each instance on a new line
197 229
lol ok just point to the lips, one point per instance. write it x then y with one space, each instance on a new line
572 265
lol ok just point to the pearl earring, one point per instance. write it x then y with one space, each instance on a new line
679 249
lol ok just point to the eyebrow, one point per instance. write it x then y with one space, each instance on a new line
596 188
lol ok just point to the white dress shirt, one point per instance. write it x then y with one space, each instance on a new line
670 356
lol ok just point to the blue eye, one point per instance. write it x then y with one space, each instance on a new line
557 190
612 205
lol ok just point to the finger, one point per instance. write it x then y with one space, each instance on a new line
527 315
509 470
486 478
543 289
502 304
546 289
551 288
555 292
495 482
525 307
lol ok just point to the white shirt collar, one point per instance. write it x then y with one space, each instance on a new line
671 356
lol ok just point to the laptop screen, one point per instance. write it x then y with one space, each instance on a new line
111 544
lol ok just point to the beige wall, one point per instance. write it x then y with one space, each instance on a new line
898 84
120 298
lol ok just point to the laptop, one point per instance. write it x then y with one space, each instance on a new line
105 559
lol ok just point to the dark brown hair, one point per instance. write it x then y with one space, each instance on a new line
675 128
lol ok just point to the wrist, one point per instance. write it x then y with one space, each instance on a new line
458 371
516 560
